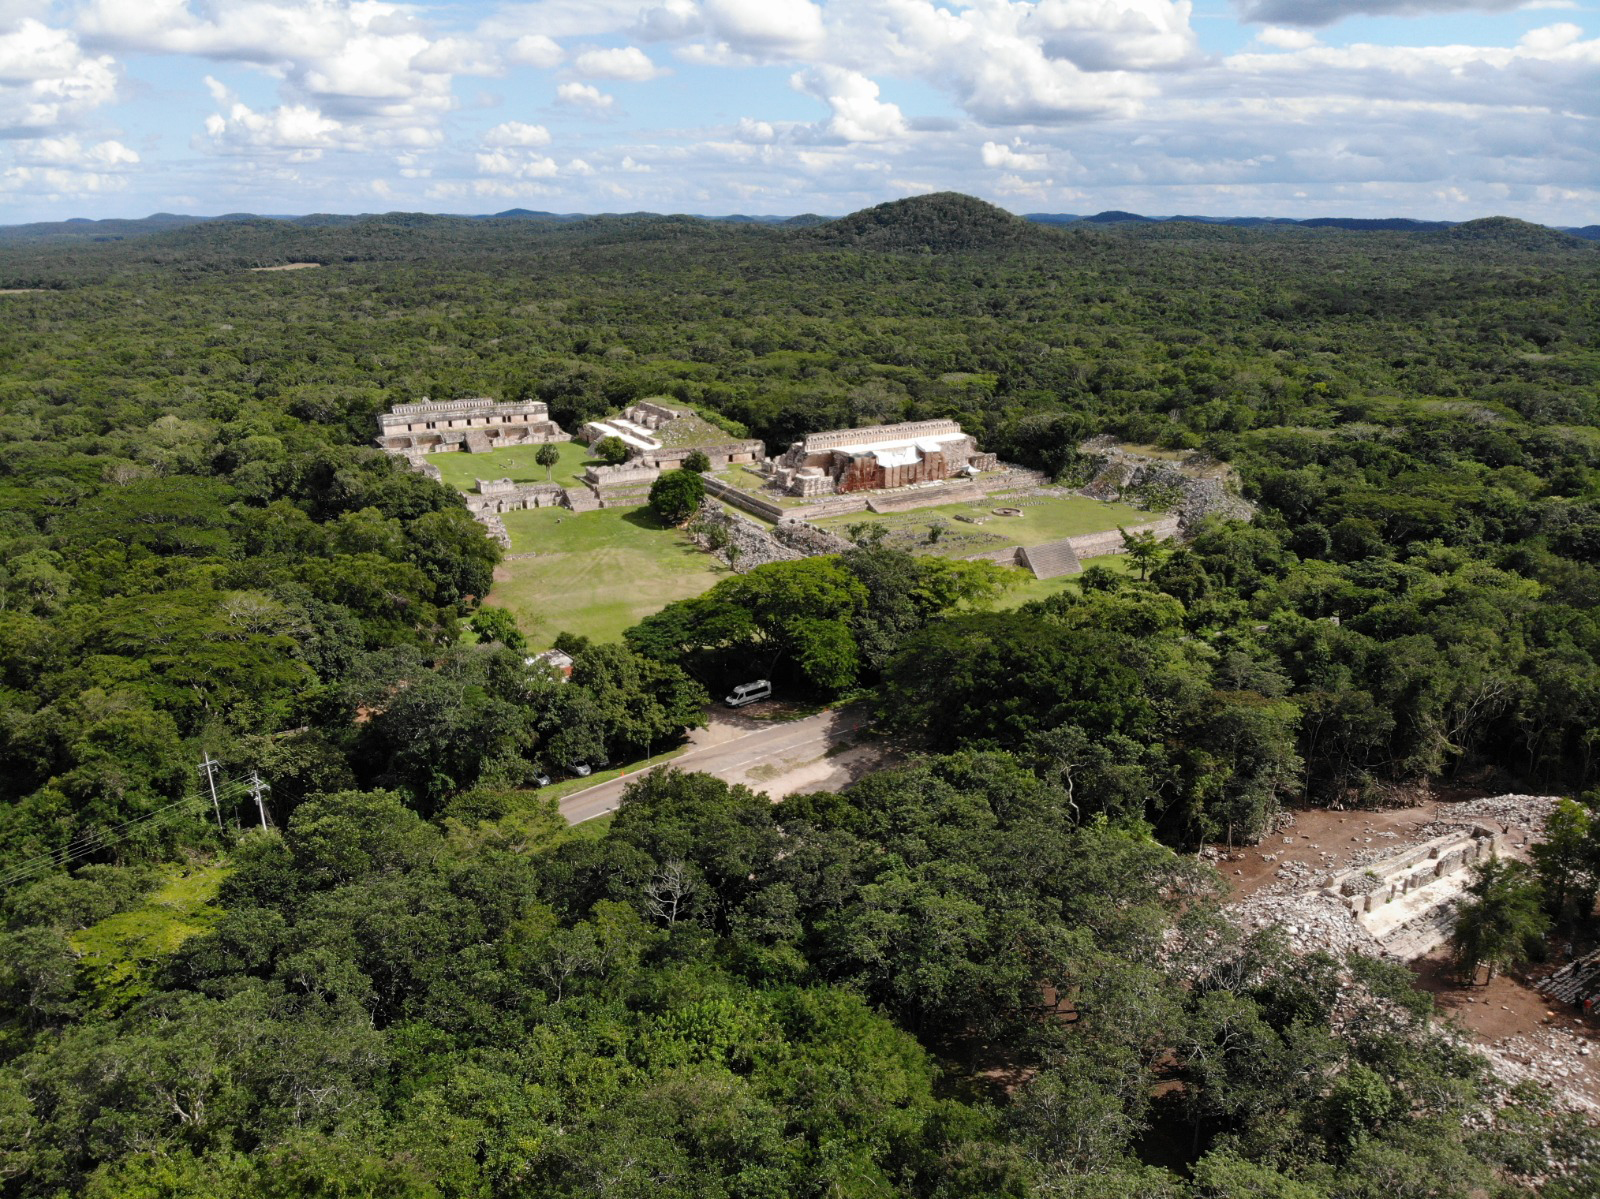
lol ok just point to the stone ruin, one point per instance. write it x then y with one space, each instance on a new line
1200 486
653 433
877 458
476 425
756 544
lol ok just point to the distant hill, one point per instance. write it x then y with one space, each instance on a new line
1358 224
1114 217
937 223
1508 231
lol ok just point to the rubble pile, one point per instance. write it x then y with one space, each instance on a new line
1552 1056
1312 921
1527 812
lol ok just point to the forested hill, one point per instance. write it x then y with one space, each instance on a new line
417 985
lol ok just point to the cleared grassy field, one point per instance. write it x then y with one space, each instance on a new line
461 470
1041 521
1030 588
596 573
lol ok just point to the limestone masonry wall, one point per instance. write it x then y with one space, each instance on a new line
835 438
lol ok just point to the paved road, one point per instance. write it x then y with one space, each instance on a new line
732 758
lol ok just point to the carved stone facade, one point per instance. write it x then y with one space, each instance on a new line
476 425
877 458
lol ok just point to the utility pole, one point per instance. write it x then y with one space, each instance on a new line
210 769
257 788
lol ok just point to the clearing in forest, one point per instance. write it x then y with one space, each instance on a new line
462 471
1044 518
595 573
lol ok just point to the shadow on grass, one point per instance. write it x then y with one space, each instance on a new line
645 518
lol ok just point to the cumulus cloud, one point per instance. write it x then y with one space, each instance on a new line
535 50
583 95
1286 39
1328 12
785 27
996 155
368 63
293 130
516 165
627 63
858 114
515 133
1106 35
46 79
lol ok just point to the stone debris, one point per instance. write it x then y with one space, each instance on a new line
1552 1056
1311 920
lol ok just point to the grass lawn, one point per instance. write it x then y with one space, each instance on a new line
1031 588
460 470
1049 520
597 573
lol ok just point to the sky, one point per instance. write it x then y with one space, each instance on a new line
1441 109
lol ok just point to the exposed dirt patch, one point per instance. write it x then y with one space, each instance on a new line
288 266
1322 839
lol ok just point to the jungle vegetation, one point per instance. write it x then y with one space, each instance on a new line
997 970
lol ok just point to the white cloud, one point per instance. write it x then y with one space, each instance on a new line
70 151
535 50
627 63
517 166
583 95
754 131
1286 39
782 27
995 155
858 114
370 63
1104 35
46 79
293 130
515 133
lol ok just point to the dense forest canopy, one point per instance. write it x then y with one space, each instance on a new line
418 984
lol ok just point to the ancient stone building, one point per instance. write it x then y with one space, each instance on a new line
661 437
476 425
876 458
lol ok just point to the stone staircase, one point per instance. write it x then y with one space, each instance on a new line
581 499
1050 560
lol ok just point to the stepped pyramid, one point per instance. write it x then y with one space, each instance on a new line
1051 559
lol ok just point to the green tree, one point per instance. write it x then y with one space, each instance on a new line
1567 863
1145 549
676 495
1502 924
697 462
549 454
497 624
613 451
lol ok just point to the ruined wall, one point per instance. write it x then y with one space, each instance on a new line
837 438
808 539
1201 486
755 544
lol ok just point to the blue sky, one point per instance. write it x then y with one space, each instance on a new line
1427 108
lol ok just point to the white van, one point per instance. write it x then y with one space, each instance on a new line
748 693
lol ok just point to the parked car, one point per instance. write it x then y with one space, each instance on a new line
748 693
582 771
541 780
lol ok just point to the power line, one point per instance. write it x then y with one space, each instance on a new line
98 839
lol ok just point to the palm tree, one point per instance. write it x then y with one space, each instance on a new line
1503 923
